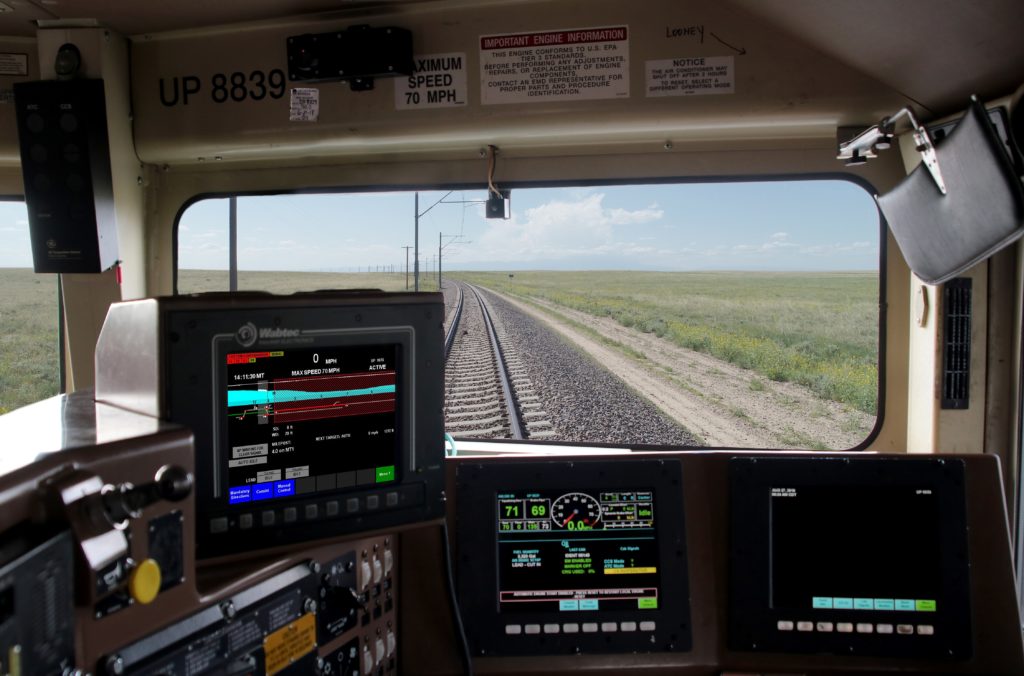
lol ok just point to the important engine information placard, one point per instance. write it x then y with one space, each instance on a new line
565 65
691 76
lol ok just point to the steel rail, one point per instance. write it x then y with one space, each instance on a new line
449 337
515 424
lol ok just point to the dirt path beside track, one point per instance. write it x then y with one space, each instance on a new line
724 404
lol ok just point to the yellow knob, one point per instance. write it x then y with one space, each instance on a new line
144 582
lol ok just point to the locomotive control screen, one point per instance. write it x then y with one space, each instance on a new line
832 547
567 551
849 556
309 420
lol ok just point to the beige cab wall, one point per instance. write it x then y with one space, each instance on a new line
783 89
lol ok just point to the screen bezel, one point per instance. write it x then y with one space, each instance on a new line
478 485
753 622
324 339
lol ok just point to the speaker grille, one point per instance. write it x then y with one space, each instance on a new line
956 343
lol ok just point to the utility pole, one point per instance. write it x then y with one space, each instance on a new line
416 264
439 261
416 269
233 243
406 266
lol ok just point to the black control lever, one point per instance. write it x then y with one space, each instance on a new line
123 501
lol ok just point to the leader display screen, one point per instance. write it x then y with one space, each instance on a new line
849 555
308 420
569 551
834 547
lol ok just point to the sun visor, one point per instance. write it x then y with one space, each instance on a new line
962 204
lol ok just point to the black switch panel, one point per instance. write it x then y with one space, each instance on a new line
65 163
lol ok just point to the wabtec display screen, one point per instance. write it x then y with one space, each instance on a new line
307 420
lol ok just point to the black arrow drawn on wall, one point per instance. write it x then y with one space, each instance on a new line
739 50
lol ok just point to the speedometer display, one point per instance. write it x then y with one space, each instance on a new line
576 511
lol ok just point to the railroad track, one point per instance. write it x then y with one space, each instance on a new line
487 391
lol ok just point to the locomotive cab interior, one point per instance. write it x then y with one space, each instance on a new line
266 447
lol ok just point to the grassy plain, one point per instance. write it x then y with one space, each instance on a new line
816 329
29 357
197 281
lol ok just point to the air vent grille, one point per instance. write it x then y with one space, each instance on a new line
956 343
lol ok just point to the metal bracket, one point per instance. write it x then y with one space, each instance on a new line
865 145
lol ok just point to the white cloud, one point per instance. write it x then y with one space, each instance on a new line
561 229
829 249
779 243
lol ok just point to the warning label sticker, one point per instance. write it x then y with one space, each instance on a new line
304 105
289 643
691 76
437 81
567 65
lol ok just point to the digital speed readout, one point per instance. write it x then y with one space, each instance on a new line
577 551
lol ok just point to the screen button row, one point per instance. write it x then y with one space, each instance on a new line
576 627
310 512
841 603
860 627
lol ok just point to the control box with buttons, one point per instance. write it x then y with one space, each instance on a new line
334 613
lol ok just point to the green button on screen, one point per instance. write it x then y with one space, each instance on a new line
925 605
385 474
647 603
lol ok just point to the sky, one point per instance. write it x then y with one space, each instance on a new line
781 225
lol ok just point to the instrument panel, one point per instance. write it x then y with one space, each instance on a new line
693 563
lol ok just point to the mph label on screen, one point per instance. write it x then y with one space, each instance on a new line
309 420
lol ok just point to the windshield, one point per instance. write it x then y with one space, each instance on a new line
712 314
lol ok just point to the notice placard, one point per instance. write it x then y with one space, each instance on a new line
691 76
437 81
13 64
565 65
